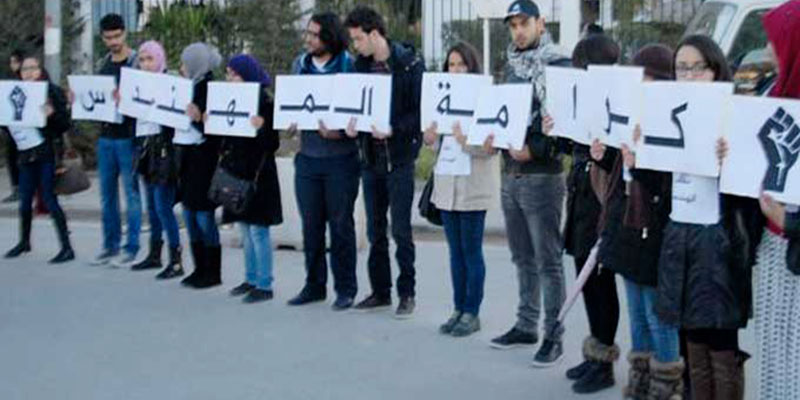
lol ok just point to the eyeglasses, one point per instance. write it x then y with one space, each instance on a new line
29 68
694 70
311 34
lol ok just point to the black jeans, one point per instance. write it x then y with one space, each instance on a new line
390 190
326 190
601 302
11 160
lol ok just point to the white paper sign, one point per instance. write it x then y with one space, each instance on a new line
94 98
763 148
173 96
450 98
453 160
695 199
305 100
190 136
505 112
147 128
365 97
567 102
23 103
615 103
230 106
681 125
26 138
137 92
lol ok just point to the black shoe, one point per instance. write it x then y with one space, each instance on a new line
342 303
242 289
18 250
549 354
599 376
199 260
153 259
514 338
374 303
257 295
405 309
66 254
212 273
170 271
13 197
307 296
578 371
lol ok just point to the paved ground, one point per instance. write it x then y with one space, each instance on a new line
81 332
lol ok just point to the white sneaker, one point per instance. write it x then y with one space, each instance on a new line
103 258
123 260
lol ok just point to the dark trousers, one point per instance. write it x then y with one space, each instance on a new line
41 175
326 190
601 302
390 191
11 161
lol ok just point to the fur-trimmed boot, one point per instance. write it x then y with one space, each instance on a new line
638 376
599 374
666 380
728 369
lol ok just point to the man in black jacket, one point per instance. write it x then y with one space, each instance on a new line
388 158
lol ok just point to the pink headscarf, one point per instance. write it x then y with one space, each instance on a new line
156 50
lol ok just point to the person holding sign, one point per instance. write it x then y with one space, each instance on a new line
532 195
388 160
253 160
463 200
596 372
39 153
326 174
158 166
14 64
777 274
198 156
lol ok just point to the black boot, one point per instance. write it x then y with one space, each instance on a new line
599 374
213 266
153 259
24 245
175 268
66 253
199 258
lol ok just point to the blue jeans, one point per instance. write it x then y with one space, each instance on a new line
201 226
39 174
391 191
115 159
648 333
160 201
326 190
464 231
257 255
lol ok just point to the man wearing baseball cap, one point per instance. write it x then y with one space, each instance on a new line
533 190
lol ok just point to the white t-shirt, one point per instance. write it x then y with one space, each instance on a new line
146 128
26 138
695 199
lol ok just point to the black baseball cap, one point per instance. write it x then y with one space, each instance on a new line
525 8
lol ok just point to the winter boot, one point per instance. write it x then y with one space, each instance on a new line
24 245
175 268
728 369
153 259
638 376
213 266
600 374
199 258
666 380
66 253
701 372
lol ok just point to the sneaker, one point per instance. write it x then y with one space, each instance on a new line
550 353
342 303
374 303
307 296
575 373
242 289
124 260
103 258
447 327
13 197
405 309
257 295
467 325
514 338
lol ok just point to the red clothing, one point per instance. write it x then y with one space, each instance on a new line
783 30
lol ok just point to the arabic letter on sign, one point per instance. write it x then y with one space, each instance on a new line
230 106
450 98
365 97
173 96
453 160
22 103
615 103
304 100
137 93
503 111
94 98
567 103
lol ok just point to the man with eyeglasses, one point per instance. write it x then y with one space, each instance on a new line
326 175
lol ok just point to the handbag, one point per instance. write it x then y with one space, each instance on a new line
73 179
233 193
426 207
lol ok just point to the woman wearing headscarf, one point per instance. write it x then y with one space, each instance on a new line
40 151
157 164
253 159
777 274
197 156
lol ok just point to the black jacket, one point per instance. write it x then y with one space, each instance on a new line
254 159
407 69
583 207
158 161
58 123
198 162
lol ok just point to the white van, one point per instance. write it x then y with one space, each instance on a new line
736 26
